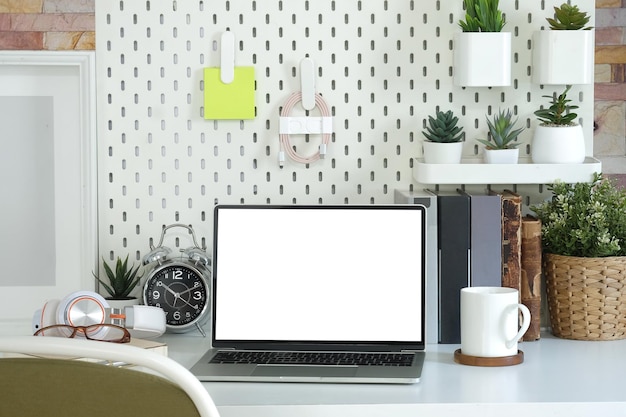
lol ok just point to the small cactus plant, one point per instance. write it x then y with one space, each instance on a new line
443 128
501 131
568 17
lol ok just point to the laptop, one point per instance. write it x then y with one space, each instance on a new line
320 293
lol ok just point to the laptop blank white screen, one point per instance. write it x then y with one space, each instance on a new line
295 273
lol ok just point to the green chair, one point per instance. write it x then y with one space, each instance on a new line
52 382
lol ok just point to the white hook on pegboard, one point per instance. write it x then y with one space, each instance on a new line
227 57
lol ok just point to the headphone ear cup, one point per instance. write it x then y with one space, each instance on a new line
46 316
82 308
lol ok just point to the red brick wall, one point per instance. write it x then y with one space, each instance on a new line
610 87
47 24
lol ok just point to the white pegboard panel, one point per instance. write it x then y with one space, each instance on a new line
383 67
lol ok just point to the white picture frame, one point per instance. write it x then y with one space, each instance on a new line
68 77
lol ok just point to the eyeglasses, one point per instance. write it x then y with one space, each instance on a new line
101 332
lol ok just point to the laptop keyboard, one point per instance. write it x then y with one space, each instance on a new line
314 358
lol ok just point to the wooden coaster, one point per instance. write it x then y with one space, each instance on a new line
480 361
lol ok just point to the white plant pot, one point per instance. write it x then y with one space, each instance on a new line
563 56
442 153
121 304
558 145
482 59
501 156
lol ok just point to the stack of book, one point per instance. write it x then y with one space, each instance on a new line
482 239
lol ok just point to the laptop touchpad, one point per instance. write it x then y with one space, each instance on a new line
304 371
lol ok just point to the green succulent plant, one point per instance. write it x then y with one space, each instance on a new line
559 113
443 128
482 16
121 281
568 17
503 136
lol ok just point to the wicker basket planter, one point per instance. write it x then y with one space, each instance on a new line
586 296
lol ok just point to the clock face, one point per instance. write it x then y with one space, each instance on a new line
180 290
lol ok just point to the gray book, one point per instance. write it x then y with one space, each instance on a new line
485 239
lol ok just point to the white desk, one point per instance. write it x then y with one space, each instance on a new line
558 378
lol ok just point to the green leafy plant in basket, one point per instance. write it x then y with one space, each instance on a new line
568 17
122 280
482 16
443 128
559 113
502 132
584 219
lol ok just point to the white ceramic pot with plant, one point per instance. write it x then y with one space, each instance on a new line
501 156
444 139
565 53
501 144
482 52
558 139
121 282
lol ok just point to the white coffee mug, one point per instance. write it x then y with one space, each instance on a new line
490 321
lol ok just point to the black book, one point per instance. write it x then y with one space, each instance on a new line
453 214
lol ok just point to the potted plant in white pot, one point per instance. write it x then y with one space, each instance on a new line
482 51
444 139
558 139
565 53
122 281
583 229
501 144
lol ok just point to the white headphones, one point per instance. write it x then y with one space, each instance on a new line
84 308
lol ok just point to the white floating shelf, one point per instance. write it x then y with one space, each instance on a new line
474 171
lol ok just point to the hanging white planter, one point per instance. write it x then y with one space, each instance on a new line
442 153
558 145
501 156
482 59
563 56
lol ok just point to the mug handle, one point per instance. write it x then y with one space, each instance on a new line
525 325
